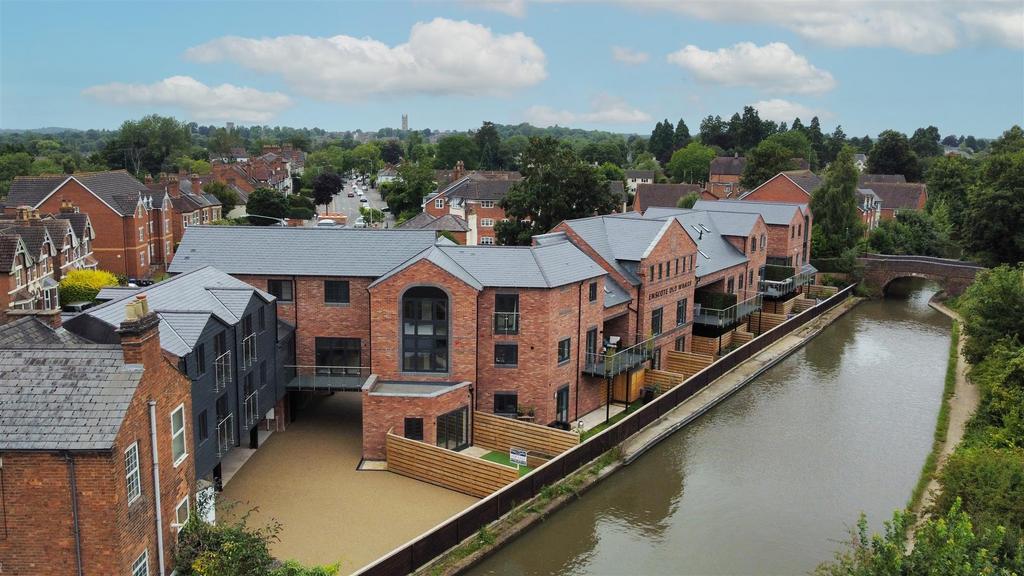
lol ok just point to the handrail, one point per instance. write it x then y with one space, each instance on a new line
620 360
249 350
225 435
725 316
506 322
222 371
252 408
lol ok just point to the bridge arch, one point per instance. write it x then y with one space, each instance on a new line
879 270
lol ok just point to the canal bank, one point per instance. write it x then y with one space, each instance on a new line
525 516
769 481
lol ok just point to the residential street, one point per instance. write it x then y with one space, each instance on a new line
350 206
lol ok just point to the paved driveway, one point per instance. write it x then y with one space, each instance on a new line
306 478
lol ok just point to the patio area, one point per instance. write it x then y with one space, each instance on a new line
306 478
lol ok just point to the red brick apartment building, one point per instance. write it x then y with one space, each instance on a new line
894 193
34 254
132 223
79 492
724 177
473 198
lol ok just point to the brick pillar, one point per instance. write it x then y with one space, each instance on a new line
140 333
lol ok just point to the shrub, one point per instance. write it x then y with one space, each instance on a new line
990 484
84 285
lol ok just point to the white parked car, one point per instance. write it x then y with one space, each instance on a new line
326 223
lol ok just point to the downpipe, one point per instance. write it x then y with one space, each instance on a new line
156 488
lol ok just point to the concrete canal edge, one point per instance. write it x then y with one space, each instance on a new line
503 531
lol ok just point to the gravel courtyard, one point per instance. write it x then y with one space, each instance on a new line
306 478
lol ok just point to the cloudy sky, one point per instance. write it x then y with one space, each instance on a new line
615 65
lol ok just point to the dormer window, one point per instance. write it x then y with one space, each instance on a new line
439 203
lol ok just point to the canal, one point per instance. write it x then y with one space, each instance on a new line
769 481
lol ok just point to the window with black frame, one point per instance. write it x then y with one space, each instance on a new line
281 289
453 429
506 403
338 356
656 317
425 330
413 428
506 313
506 355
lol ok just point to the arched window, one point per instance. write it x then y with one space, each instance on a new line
425 330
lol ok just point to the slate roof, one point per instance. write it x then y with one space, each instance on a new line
424 221
614 294
79 223
774 213
882 178
30 332
716 253
620 239
547 266
184 304
807 181
300 251
33 236
477 187
728 165
9 244
663 195
117 188
638 174
907 196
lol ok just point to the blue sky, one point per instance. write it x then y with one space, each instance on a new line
865 64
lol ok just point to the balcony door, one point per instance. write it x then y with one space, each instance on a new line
453 429
338 356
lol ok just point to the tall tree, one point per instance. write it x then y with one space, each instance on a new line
951 141
715 132
451 149
556 186
892 154
403 196
1011 141
768 159
994 226
925 142
325 186
750 130
488 142
798 125
682 135
816 138
833 144
391 152
949 180
662 141
837 226
222 140
691 163
148 145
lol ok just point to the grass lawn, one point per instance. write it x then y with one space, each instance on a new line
502 458
597 429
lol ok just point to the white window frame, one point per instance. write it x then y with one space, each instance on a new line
486 241
132 477
142 233
178 522
487 222
142 259
487 203
439 203
184 438
141 565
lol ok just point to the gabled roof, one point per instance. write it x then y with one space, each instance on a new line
774 213
30 332
184 304
716 253
662 195
546 266
728 165
446 223
80 223
636 174
10 245
621 240
34 236
116 188
882 178
805 180
477 187
906 196
300 251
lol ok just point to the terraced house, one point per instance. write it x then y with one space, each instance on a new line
97 461
223 336
133 234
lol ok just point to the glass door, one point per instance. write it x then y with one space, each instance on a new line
453 429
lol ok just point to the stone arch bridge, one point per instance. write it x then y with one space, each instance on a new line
881 269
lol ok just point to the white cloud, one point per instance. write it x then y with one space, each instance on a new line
515 8
604 109
781 110
1005 27
441 57
773 67
629 55
201 102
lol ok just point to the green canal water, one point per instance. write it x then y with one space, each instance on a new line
769 481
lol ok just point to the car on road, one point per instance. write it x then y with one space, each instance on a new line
361 193
363 199
360 222
326 223
351 194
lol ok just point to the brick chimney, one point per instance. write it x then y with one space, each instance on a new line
140 333
27 214
67 206
460 171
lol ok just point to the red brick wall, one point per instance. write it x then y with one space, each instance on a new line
385 303
37 498
495 213
779 189
383 413
433 210
666 291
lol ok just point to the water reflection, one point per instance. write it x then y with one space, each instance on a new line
768 481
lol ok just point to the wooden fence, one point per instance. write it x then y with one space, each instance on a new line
661 380
442 467
764 321
780 307
500 433
819 291
687 363
449 533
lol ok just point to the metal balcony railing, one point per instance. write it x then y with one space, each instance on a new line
506 322
728 316
222 371
328 378
225 434
249 350
776 288
251 406
615 361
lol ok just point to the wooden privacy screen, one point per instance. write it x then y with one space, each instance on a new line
500 433
442 467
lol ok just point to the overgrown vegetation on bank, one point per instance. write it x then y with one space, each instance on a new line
977 523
